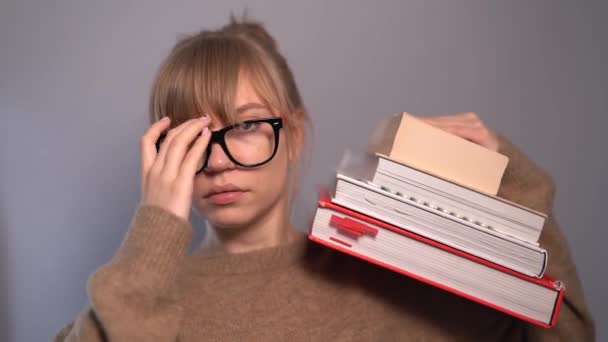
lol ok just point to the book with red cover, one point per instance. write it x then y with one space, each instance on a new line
535 300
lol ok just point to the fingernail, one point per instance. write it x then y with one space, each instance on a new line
205 117
205 130
165 118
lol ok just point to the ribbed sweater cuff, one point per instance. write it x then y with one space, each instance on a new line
155 245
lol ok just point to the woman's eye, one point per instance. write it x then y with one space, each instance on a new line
247 126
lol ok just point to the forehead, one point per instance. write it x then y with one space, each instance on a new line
245 93
247 105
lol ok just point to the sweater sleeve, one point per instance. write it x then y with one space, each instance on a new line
133 297
527 184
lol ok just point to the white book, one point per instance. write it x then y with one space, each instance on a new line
491 211
354 190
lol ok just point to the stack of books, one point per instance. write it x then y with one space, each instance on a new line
423 202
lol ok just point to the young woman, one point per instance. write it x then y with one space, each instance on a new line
228 130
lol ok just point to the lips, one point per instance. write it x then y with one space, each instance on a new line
224 194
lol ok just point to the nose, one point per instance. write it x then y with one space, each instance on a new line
218 160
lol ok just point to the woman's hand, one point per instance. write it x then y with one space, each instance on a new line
168 176
468 126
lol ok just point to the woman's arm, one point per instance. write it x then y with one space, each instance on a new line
525 183
133 297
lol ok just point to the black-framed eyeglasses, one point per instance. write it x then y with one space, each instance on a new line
248 144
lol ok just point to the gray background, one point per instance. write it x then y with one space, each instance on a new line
74 81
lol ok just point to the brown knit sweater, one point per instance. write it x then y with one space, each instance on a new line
154 290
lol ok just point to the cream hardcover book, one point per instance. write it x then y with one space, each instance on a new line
411 141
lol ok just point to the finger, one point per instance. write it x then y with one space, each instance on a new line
464 117
477 136
193 160
147 143
457 124
164 147
447 121
180 145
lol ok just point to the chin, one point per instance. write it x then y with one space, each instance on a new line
238 214
229 217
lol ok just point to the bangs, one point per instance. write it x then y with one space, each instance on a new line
201 75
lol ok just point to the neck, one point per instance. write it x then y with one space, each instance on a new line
271 229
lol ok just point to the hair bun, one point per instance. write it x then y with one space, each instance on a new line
248 28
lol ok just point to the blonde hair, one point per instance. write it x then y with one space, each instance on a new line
201 73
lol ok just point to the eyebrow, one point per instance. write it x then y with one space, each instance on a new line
250 105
